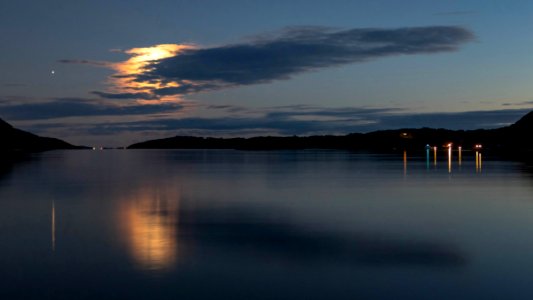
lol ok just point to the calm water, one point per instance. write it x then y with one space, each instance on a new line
265 225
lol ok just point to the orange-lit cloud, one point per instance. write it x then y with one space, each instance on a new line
167 71
295 51
124 80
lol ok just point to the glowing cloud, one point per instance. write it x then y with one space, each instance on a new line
124 80
166 71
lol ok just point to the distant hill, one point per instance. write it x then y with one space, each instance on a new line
506 139
525 123
16 140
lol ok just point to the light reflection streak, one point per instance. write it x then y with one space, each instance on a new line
478 162
427 159
404 163
460 155
150 225
53 227
449 159
478 159
435 156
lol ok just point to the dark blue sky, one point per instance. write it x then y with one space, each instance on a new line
124 71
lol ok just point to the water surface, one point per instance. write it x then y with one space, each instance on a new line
165 224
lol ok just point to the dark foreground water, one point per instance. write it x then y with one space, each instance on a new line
265 225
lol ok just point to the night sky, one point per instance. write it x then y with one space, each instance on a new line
116 72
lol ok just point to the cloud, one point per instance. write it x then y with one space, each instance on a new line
453 120
455 13
293 51
14 84
341 113
85 62
119 96
167 71
73 107
524 103
228 108
290 121
243 122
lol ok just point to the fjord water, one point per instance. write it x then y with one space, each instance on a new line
223 224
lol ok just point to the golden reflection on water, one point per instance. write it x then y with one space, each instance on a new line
435 156
404 163
149 222
460 149
449 159
478 162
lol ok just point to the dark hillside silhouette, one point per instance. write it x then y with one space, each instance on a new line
511 138
16 140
